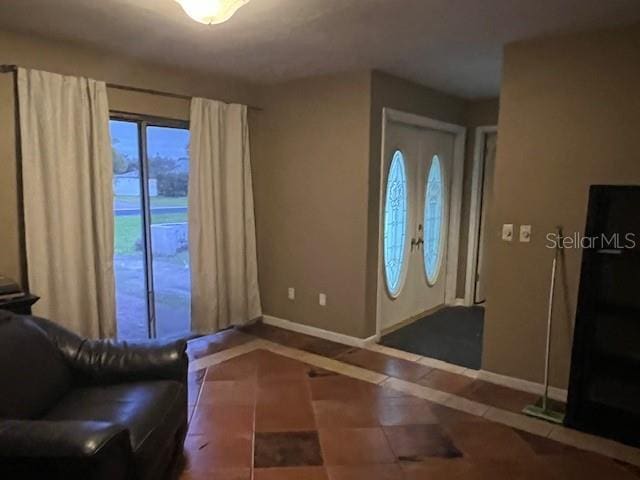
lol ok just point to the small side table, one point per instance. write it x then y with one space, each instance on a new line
20 305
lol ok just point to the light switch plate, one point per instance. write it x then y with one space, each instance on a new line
292 293
525 233
507 232
322 299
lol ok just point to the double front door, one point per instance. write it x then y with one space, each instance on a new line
416 190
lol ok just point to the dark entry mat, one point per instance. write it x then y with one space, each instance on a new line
452 334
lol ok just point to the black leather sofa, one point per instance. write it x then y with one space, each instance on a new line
72 408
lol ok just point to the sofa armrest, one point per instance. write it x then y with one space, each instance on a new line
64 449
105 361
109 361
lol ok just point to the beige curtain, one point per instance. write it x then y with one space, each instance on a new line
67 174
222 241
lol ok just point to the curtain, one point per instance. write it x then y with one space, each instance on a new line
222 240
67 175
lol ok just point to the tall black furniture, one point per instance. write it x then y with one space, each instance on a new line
77 409
604 390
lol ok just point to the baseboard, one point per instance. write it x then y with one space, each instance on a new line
459 302
319 332
555 393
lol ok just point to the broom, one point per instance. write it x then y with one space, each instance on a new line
543 409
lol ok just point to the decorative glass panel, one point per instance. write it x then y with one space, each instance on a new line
395 223
433 216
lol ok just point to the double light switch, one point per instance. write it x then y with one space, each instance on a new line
508 230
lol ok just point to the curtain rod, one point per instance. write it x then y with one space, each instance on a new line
14 68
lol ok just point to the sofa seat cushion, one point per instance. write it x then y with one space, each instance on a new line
152 412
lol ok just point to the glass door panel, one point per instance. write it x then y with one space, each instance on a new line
129 256
151 255
168 167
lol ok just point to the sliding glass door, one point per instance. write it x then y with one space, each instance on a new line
151 255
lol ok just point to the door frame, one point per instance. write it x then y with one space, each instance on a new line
455 207
475 209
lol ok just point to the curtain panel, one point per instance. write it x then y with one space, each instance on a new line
222 239
67 176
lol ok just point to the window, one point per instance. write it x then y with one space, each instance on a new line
151 256
433 219
395 223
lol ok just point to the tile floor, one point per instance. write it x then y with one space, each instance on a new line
262 415
458 384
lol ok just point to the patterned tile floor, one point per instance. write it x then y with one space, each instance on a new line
461 385
262 416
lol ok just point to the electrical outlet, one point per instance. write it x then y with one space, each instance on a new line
525 233
322 299
507 232
292 293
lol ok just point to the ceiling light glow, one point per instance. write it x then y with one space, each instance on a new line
211 12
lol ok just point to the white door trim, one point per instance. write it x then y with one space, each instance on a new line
477 176
453 247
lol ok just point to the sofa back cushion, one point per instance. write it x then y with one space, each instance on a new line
33 373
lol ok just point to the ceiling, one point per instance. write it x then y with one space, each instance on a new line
451 45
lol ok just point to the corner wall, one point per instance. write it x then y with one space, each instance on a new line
569 113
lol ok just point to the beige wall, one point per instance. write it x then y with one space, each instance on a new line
72 59
569 115
310 185
10 254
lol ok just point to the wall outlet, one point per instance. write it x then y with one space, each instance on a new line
525 233
292 293
507 232
322 299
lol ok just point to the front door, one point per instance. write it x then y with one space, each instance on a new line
416 192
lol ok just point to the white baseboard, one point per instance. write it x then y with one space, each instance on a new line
555 393
319 332
459 302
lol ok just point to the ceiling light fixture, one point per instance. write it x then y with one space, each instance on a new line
211 12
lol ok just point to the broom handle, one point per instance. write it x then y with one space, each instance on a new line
549 325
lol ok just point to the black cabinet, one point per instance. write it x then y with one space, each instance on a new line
21 305
604 389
